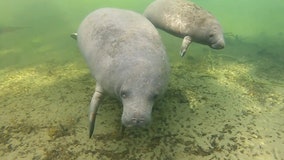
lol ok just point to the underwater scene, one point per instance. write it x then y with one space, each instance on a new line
220 104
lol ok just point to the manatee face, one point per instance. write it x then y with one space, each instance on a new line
136 109
138 99
215 37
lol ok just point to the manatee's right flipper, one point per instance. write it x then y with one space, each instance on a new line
95 102
74 35
185 43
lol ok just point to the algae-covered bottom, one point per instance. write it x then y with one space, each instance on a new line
217 106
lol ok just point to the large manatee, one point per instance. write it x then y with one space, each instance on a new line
185 19
127 58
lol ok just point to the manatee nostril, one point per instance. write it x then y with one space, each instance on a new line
221 46
218 45
137 121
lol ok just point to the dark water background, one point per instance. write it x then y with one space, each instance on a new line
45 87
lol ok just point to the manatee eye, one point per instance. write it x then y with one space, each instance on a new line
211 35
124 94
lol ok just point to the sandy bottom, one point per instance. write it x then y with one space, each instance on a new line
227 105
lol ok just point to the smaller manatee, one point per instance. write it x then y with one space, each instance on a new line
186 20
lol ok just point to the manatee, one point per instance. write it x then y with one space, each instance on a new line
125 54
186 20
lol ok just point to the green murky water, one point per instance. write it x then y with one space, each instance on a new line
221 104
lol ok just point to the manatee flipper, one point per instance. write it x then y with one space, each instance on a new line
95 102
74 35
185 43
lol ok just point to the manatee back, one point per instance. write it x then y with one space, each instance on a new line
178 17
116 43
106 28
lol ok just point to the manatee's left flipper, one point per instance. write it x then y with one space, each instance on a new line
95 102
74 35
185 43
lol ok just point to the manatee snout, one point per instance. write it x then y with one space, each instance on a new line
216 38
136 113
219 44
136 119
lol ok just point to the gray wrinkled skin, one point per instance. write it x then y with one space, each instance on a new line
126 56
186 20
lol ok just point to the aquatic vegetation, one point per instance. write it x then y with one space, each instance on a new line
234 38
59 131
59 152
